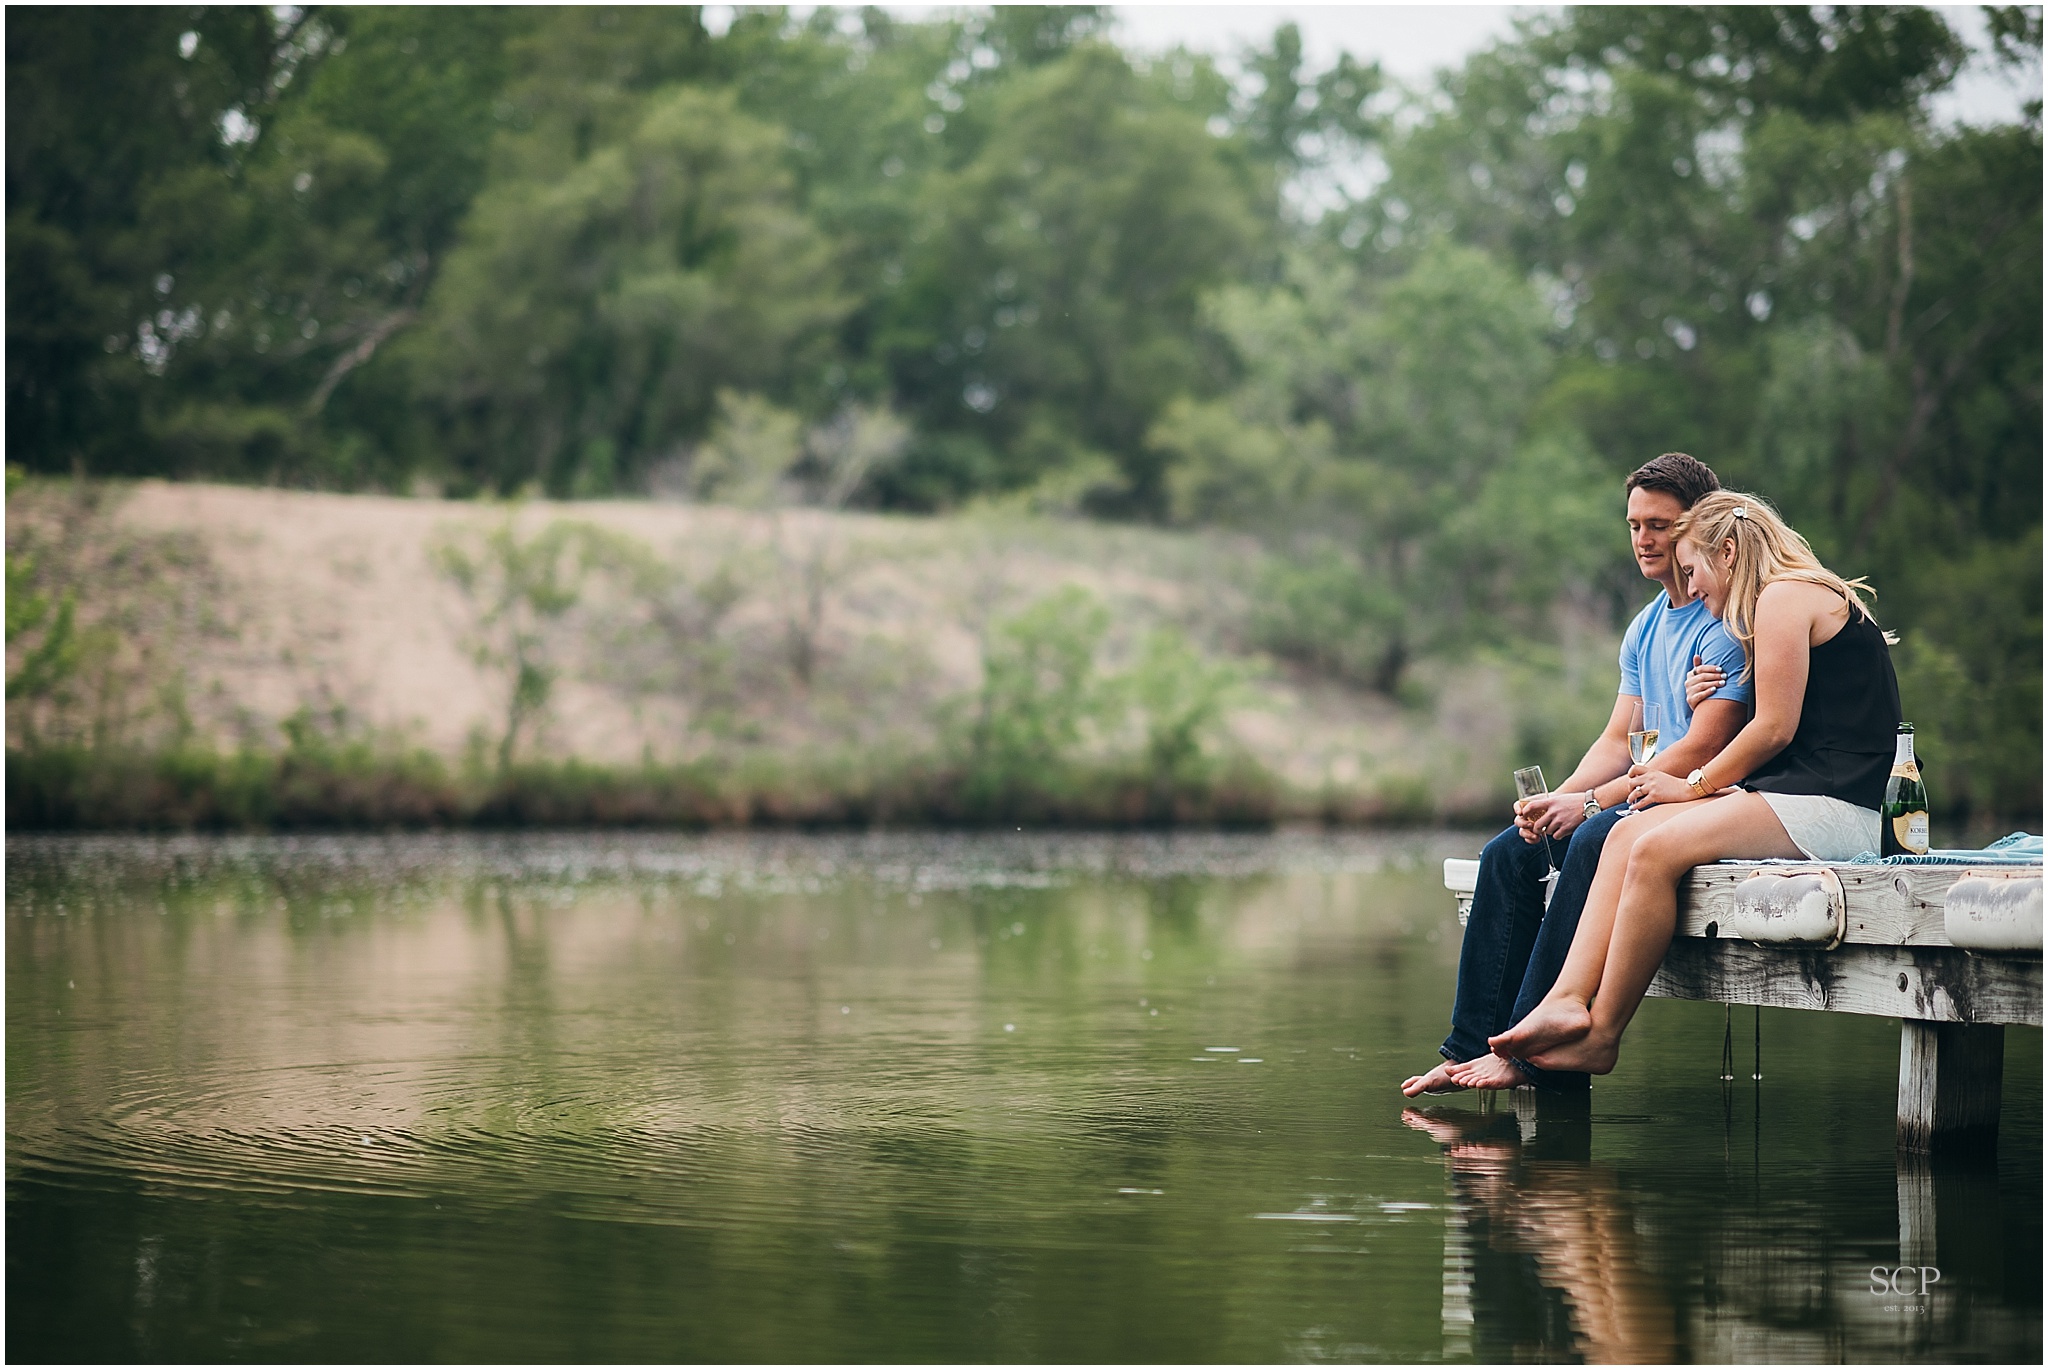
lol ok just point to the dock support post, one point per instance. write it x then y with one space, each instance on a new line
1949 1084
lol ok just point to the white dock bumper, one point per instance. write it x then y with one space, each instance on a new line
1797 908
1994 913
1461 878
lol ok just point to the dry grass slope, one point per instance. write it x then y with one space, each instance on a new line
731 654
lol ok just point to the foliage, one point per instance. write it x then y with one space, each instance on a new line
859 258
31 614
1384 434
1759 249
1039 694
1183 698
520 589
1047 724
589 320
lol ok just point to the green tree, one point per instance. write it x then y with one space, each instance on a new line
1040 692
1757 247
602 312
103 109
1385 438
1183 698
1051 310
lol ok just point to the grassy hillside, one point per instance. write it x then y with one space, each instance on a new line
209 655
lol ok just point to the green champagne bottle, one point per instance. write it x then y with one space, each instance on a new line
1905 800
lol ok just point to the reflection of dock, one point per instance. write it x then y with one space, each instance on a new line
1953 952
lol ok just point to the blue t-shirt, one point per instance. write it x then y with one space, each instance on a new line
1658 649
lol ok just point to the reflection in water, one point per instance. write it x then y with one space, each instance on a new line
1546 1231
908 1098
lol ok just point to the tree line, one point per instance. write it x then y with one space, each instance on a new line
1409 340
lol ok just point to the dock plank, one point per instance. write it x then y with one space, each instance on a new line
1928 984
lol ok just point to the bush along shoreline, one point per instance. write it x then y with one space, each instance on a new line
199 789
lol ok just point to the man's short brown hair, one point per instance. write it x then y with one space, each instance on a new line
1684 478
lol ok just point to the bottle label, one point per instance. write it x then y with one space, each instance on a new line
1911 831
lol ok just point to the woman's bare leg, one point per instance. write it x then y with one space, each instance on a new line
1738 824
1564 1015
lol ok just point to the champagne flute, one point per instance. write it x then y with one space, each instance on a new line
1529 784
1646 720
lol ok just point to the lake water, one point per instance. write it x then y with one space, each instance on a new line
906 1098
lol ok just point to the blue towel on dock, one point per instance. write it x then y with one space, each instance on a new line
2016 849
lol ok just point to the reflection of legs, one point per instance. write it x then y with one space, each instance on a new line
1647 911
1585 1244
1507 908
1572 1219
1546 958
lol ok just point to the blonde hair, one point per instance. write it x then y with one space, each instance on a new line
1766 549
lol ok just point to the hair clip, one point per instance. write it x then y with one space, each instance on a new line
1742 511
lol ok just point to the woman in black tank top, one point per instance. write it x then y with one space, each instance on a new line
1848 721
1809 769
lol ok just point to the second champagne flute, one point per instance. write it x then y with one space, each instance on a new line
1646 721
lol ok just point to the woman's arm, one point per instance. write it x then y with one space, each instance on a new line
1787 614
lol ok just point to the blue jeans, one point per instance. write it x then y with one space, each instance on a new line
1513 949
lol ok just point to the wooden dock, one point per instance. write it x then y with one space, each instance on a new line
1953 952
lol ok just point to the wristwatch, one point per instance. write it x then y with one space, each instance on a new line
1697 781
1592 805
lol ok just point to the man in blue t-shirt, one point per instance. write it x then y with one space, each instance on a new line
1513 946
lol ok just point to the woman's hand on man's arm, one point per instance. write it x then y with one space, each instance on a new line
1702 682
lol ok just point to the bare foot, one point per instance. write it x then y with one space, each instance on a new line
1592 1054
1551 1024
1437 1081
1489 1072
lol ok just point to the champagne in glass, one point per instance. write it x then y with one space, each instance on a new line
1529 784
1645 722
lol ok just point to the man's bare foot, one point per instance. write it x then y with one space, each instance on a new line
1593 1054
1436 1081
1488 1072
1551 1024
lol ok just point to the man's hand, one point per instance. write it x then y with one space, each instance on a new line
1550 815
1702 681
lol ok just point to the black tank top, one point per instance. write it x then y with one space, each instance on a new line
1848 721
